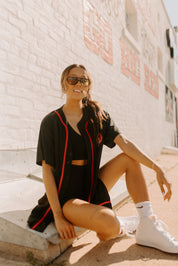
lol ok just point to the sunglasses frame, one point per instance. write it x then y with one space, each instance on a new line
77 79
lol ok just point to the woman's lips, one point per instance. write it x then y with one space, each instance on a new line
77 91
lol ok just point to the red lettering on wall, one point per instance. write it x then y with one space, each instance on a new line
125 69
147 10
151 82
137 69
97 33
130 62
91 27
106 41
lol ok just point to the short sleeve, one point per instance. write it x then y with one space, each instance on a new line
45 148
110 132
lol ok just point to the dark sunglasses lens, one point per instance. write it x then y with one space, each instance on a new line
72 80
75 80
84 81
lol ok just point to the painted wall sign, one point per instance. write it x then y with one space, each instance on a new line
148 11
148 49
97 33
111 7
130 67
151 82
98 38
130 62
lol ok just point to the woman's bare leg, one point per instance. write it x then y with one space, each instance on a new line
100 219
135 182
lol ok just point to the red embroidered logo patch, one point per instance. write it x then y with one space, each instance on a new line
99 139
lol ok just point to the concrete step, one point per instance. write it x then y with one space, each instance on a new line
170 150
36 174
16 223
7 176
118 193
18 161
18 195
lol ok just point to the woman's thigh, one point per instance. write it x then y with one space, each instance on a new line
110 172
90 216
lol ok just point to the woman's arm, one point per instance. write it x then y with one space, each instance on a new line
64 228
135 153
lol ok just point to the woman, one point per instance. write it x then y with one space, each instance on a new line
69 150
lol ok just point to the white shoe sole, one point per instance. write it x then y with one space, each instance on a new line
151 245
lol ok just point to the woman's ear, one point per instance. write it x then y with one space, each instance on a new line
64 88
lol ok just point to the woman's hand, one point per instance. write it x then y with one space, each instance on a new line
162 181
64 228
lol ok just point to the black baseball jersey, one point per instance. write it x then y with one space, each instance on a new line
54 146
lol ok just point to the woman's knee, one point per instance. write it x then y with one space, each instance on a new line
100 219
109 225
111 234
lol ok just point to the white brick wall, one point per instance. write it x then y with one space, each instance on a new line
40 38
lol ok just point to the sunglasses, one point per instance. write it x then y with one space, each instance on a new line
74 80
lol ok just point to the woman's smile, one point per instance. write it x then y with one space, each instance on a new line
77 91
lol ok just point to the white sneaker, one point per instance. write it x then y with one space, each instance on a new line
128 224
151 233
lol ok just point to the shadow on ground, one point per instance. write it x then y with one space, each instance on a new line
101 254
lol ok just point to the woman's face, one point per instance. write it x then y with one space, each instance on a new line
77 84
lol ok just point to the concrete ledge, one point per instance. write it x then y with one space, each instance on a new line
7 176
17 198
118 193
13 228
15 223
170 150
18 161
18 239
51 253
20 194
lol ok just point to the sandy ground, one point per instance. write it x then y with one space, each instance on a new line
89 251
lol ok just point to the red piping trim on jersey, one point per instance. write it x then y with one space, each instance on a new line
41 218
103 203
62 174
65 151
89 197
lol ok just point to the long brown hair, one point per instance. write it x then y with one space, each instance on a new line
93 108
